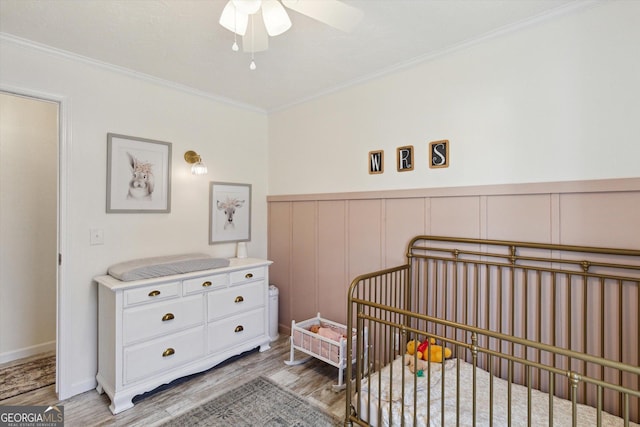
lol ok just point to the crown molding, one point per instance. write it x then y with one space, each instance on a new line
564 10
125 71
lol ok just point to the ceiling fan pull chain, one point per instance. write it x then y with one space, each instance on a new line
235 47
252 66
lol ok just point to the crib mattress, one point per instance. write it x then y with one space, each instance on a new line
389 388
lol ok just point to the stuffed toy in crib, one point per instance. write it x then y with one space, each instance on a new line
418 362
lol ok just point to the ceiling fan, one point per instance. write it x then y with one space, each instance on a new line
257 20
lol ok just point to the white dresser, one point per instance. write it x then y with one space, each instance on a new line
153 331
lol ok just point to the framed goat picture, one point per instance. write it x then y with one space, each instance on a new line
229 212
138 175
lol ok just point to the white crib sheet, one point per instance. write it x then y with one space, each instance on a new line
391 392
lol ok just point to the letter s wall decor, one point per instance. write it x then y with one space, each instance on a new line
439 154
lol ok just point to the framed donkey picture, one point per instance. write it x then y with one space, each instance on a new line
138 175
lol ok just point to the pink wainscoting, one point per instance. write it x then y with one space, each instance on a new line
332 257
604 219
365 237
456 216
520 217
404 218
304 255
320 242
280 249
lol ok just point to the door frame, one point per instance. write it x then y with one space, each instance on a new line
63 388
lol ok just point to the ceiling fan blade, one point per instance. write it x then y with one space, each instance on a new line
248 7
275 17
233 20
256 38
331 12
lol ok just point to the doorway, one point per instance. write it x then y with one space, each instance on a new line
29 225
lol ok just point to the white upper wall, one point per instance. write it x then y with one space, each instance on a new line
556 101
231 141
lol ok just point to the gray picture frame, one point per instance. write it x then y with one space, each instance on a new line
229 212
138 175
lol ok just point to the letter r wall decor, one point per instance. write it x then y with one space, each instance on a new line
405 158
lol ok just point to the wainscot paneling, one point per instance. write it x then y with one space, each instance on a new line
404 218
280 240
332 258
304 262
320 242
519 217
365 236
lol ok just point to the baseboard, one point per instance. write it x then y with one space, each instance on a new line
21 353
78 388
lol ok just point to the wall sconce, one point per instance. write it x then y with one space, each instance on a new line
197 165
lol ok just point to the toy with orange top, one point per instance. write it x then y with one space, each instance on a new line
419 354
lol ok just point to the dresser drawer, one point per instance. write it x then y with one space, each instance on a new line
162 354
246 276
235 300
151 293
236 330
205 283
152 320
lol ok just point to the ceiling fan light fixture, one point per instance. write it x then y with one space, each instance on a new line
248 7
256 39
276 19
270 18
233 19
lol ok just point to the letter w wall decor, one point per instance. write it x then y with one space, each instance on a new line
376 162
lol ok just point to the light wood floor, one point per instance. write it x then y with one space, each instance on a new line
313 380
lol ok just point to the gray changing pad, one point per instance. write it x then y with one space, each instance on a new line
147 268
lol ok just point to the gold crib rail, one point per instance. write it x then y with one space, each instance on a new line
557 318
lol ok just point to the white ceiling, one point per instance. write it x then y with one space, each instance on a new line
181 41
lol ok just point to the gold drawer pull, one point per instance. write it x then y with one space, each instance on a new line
168 316
168 352
248 275
154 293
206 284
239 328
239 299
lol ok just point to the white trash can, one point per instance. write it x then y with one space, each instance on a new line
273 312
